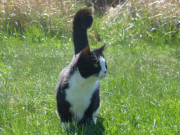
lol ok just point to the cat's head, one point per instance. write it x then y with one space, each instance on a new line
92 63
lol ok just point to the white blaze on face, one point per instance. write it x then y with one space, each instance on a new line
103 71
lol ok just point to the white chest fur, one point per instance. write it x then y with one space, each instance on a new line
79 94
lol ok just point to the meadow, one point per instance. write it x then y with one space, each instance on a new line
140 95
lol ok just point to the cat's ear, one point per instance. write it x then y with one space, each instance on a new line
100 50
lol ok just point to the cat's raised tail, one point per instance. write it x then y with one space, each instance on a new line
82 21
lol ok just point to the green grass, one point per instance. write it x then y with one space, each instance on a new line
140 95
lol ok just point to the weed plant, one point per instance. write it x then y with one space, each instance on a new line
141 93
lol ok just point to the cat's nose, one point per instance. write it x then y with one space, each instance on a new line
105 71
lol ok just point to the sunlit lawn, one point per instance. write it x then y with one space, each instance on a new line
140 95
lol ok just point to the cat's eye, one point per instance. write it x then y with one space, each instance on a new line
96 65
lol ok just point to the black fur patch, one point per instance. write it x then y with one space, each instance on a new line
82 21
88 63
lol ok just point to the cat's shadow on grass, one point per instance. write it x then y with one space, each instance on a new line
88 129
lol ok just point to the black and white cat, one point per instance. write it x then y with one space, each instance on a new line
77 94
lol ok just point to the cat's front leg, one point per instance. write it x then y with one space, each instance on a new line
95 116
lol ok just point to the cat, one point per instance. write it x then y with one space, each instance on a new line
77 92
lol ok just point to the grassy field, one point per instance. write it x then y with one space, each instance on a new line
140 95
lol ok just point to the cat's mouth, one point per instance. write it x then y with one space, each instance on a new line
100 75
97 75
103 76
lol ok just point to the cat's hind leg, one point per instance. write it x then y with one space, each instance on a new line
64 126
